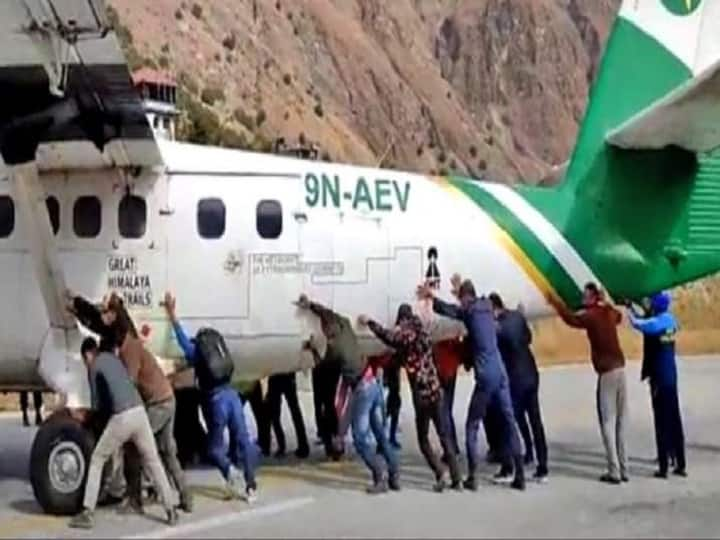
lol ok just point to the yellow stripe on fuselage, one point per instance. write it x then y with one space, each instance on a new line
510 246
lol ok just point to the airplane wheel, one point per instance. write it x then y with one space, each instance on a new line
59 462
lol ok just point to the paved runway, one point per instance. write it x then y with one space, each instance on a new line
317 499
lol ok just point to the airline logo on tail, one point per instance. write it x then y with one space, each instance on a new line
681 7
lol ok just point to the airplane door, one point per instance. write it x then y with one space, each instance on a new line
361 245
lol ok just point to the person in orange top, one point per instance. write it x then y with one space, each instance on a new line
600 320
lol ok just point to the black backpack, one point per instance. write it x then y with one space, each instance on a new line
214 364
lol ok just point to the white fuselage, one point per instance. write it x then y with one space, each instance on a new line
352 238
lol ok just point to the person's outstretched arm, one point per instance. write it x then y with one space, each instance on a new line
187 346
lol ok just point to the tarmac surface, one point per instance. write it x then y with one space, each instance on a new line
319 499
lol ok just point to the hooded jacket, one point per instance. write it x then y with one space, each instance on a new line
659 330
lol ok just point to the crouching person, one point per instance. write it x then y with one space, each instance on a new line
221 405
115 395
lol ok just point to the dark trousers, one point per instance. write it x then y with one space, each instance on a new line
325 379
492 425
37 403
190 436
527 407
487 396
435 413
669 434
394 402
448 403
285 384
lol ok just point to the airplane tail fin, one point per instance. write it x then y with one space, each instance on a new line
640 199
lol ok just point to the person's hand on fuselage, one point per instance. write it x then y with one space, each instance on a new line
363 321
303 302
170 304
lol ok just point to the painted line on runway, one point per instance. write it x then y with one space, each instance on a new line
224 520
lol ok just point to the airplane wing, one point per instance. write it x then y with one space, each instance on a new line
64 82
688 117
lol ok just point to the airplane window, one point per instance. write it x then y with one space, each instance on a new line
87 217
132 217
7 216
211 218
268 219
53 208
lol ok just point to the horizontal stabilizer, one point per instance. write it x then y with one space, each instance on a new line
65 84
688 117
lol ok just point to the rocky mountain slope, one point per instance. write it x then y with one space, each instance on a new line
482 87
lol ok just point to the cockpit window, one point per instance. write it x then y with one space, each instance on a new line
53 208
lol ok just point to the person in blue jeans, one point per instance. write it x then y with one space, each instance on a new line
492 390
222 408
367 401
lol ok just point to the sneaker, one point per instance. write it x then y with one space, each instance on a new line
186 502
172 517
624 478
661 474
302 453
541 477
377 488
680 472
394 482
232 485
279 454
470 483
439 485
131 507
84 520
518 483
457 485
503 477
609 479
395 444
251 495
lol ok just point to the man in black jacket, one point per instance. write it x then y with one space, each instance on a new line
514 338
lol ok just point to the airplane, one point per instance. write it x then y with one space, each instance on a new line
90 201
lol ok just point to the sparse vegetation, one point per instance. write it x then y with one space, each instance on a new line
164 62
278 6
165 49
490 140
473 151
229 42
319 112
302 140
244 119
326 156
419 151
197 11
188 83
260 117
442 157
453 165
212 94
217 57
179 14
287 79
482 165
201 125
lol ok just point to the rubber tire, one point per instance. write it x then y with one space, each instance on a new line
53 432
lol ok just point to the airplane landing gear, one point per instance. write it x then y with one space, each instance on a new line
59 462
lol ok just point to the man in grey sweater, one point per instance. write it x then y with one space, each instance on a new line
115 396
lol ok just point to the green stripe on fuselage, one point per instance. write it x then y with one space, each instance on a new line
534 249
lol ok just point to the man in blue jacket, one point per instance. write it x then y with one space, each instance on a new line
659 366
222 409
514 338
491 381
